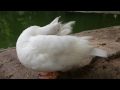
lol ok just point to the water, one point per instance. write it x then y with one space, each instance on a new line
12 23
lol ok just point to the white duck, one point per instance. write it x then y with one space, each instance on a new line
45 50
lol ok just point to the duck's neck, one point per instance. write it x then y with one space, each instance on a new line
28 33
34 31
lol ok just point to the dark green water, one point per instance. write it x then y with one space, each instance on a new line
12 23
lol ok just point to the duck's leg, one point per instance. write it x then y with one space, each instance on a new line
48 75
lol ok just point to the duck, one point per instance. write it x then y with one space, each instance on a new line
51 49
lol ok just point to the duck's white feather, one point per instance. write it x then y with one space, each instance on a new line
65 28
55 20
42 51
54 28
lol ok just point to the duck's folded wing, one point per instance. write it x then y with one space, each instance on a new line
52 44
63 50
60 45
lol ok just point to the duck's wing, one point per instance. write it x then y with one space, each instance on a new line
64 49
59 45
66 28
54 43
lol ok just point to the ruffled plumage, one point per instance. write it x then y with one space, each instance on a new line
50 48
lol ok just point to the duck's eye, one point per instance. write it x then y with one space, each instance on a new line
58 30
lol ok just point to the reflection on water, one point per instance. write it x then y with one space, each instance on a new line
12 23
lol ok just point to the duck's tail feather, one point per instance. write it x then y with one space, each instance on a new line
87 37
99 52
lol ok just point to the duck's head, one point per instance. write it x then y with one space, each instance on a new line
51 29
